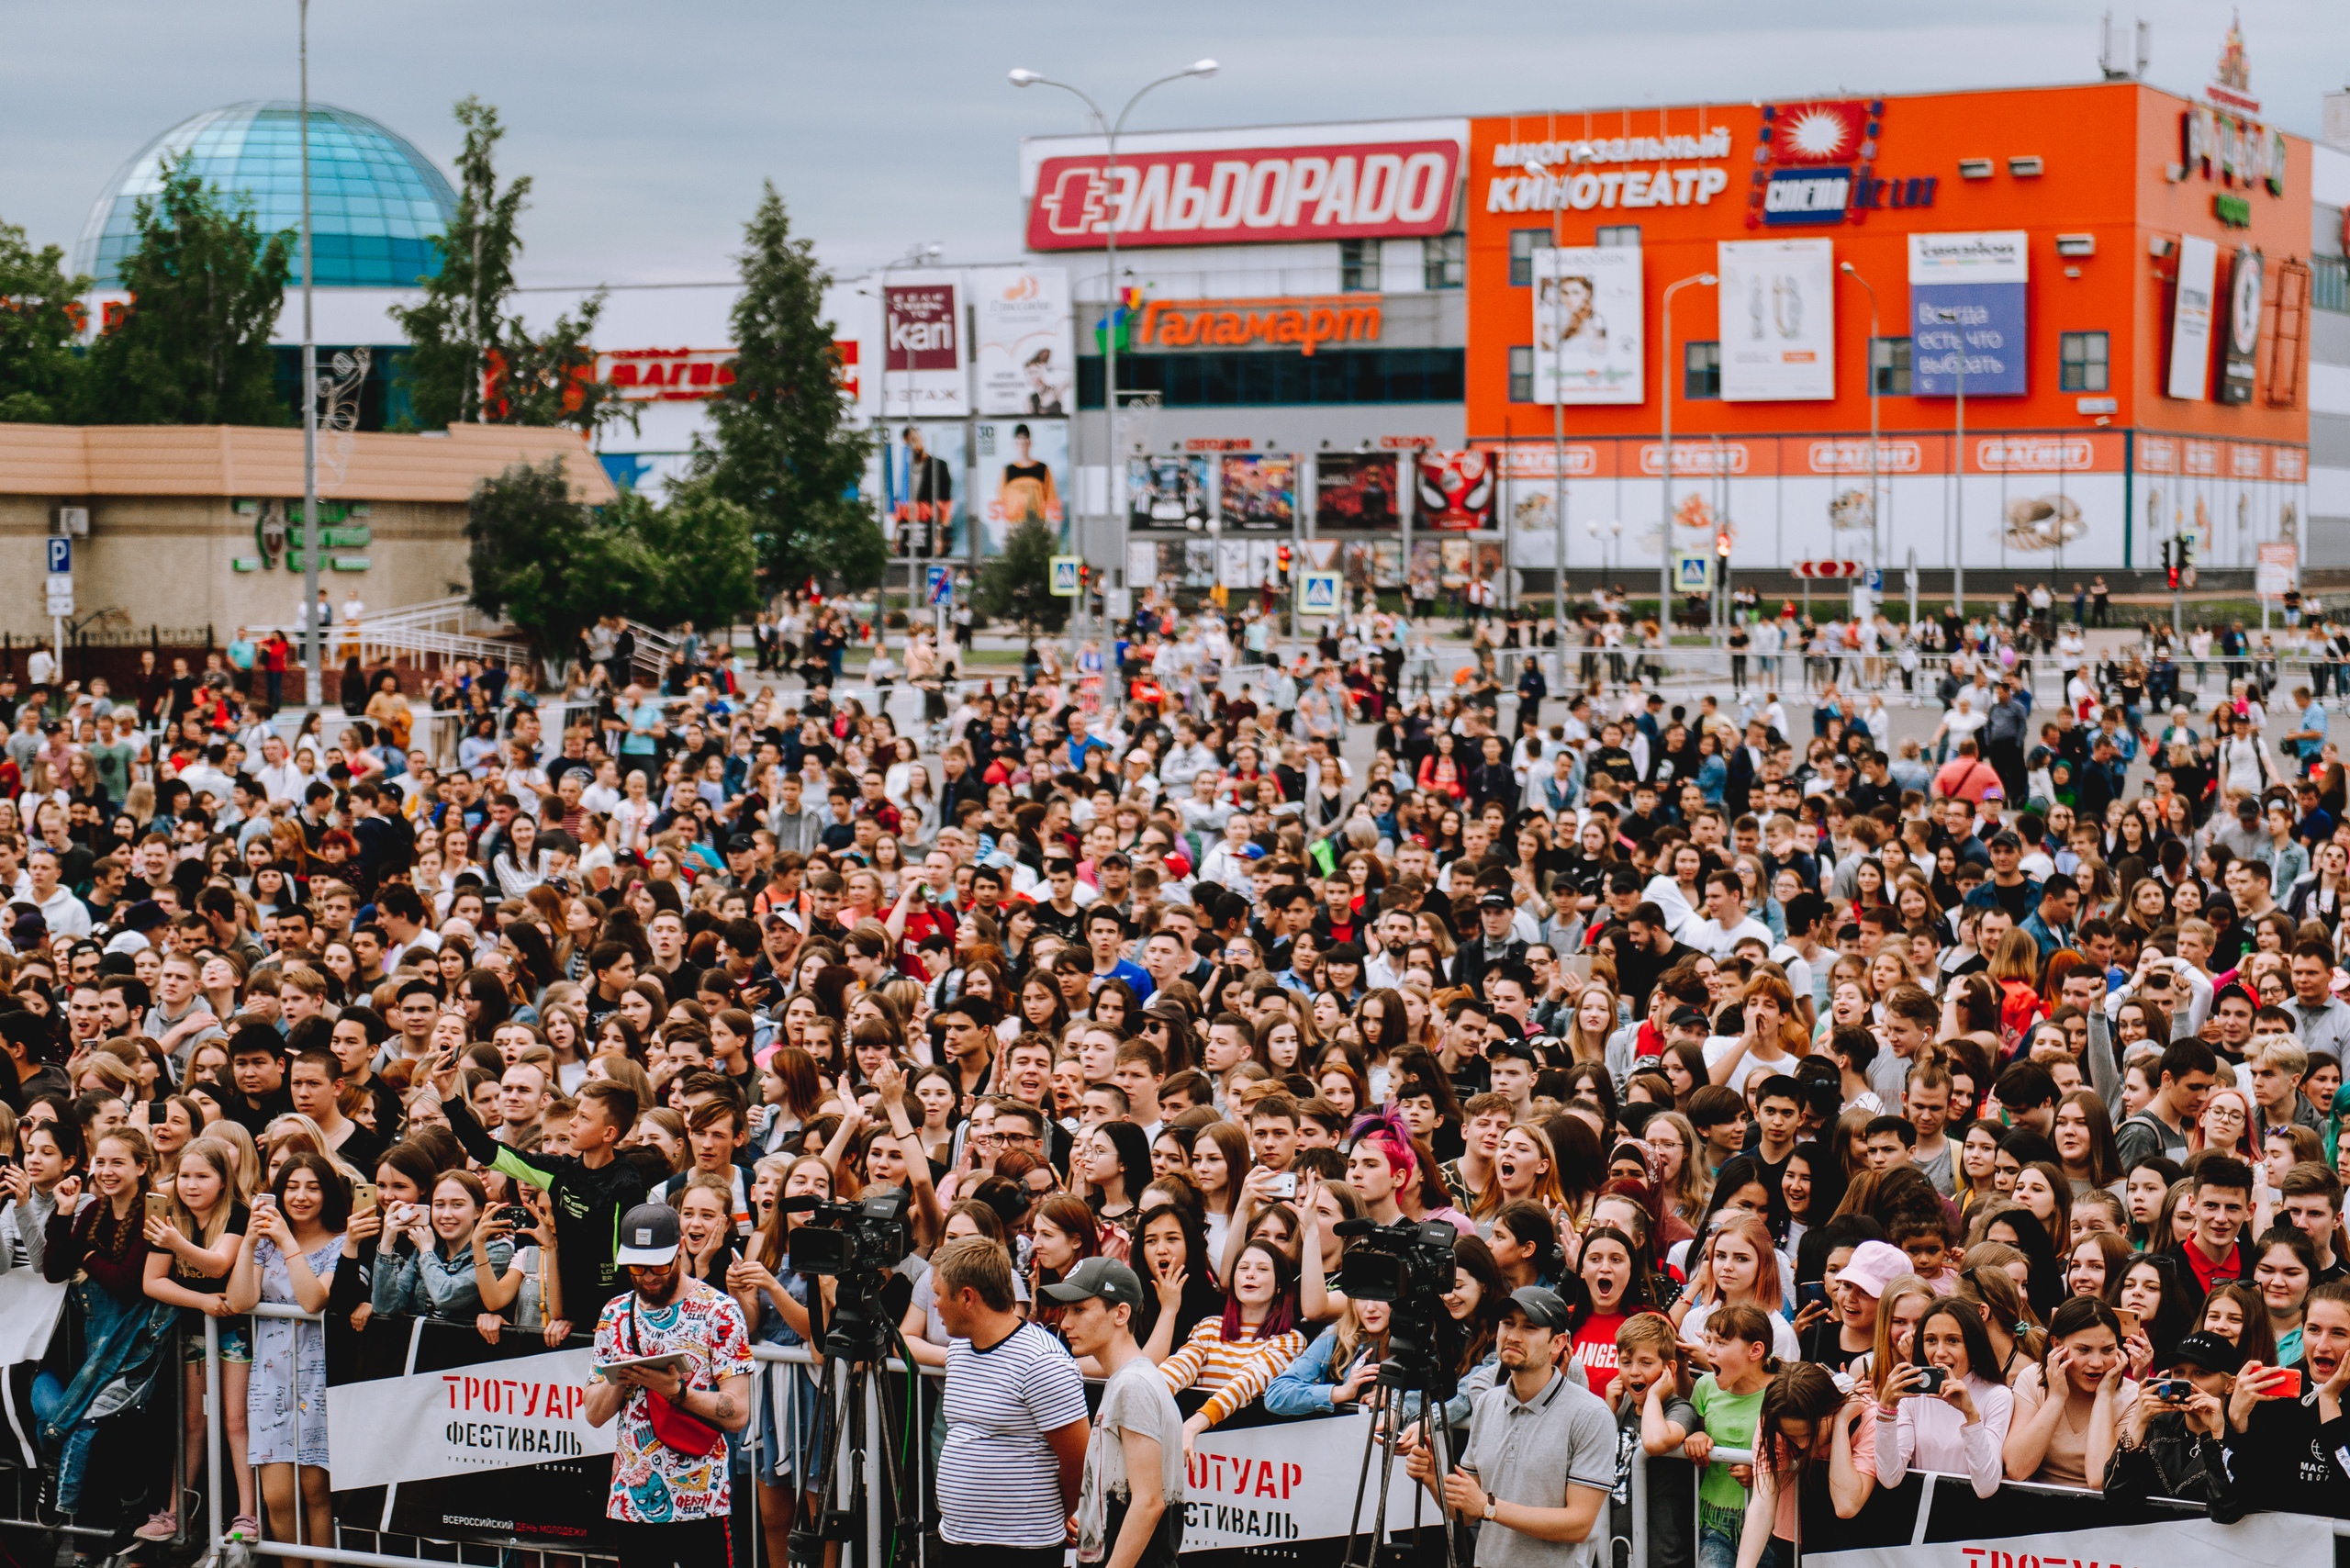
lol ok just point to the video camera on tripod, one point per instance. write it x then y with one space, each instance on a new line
1410 1266
857 1243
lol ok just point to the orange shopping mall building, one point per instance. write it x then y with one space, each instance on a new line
2121 275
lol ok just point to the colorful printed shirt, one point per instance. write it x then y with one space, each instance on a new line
652 1484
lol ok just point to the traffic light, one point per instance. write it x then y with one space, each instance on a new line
2170 562
1721 544
1285 558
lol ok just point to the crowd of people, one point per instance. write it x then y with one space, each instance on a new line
1778 1106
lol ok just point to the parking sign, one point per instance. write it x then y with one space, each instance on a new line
60 557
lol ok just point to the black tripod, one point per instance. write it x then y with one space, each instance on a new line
855 1366
1388 1425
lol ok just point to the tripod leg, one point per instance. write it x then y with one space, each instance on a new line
1438 1422
1362 1481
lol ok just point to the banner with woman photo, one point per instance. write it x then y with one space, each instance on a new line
1021 474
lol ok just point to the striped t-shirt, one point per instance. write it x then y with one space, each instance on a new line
998 1481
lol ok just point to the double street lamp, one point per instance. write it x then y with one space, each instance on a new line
1110 217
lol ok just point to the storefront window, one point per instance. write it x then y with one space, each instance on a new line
1523 243
2081 362
1358 266
1889 367
1444 261
1521 374
1701 370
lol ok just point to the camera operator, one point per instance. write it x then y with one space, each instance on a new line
669 1500
1541 1456
1015 1419
1130 1507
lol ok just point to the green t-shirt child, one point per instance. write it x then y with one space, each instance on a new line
1730 1420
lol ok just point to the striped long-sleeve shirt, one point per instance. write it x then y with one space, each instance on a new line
1234 1371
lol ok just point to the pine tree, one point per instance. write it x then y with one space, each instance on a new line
193 346
470 362
1017 584
785 451
39 372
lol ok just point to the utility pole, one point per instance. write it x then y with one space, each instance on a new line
313 632
1665 466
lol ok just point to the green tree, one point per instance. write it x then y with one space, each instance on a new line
785 451
205 286
1017 584
547 561
462 338
39 372
704 562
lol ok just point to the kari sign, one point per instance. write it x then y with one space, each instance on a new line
1778 320
921 361
1967 298
492 1417
1359 190
2190 320
1587 339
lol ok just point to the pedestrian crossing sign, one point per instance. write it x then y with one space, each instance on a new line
1317 593
1066 576
1693 571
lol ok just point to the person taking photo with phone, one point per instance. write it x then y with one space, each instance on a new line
2287 1436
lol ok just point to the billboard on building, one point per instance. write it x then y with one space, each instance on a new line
2239 359
1259 491
1020 474
1022 347
1167 494
1588 347
1355 490
1778 320
1967 294
920 493
2190 318
922 363
1244 195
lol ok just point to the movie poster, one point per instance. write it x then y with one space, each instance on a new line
1022 475
1168 493
1456 489
1023 351
922 473
1259 491
1355 490
1587 341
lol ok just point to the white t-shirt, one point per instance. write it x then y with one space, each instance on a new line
1721 1045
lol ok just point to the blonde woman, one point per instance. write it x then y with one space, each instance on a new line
1591 1023
1682 1177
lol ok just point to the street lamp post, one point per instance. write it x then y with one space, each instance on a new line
1949 316
1110 215
1558 428
1665 466
313 633
1868 370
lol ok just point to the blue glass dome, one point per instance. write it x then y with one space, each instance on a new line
375 201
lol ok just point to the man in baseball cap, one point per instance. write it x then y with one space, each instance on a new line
1138 1437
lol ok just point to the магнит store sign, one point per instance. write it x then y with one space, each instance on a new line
1362 190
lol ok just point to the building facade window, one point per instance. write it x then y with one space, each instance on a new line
1889 367
1615 235
1444 261
1521 374
2081 363
1701 370
1358 266
1523 243
1268 380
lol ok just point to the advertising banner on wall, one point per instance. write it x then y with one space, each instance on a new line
922 356
1778 320
1167 493
1021 344
920 468
1588 347
2190 320
1259 491
1456 489
2242 342
1247 195
1021 473
1967 294
1355 490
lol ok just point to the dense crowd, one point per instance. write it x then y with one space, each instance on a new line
1864 1122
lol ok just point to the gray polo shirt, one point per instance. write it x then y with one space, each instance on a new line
2324 1031
1529 1453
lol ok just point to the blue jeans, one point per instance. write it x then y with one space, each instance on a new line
1716 1549
49 1398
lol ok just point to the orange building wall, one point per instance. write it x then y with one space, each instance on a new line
2105 148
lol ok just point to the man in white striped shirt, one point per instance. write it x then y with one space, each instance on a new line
1016 1428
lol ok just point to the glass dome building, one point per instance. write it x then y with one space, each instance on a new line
375 201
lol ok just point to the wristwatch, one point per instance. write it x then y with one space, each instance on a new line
1492 1506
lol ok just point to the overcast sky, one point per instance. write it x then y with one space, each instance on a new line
648 128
